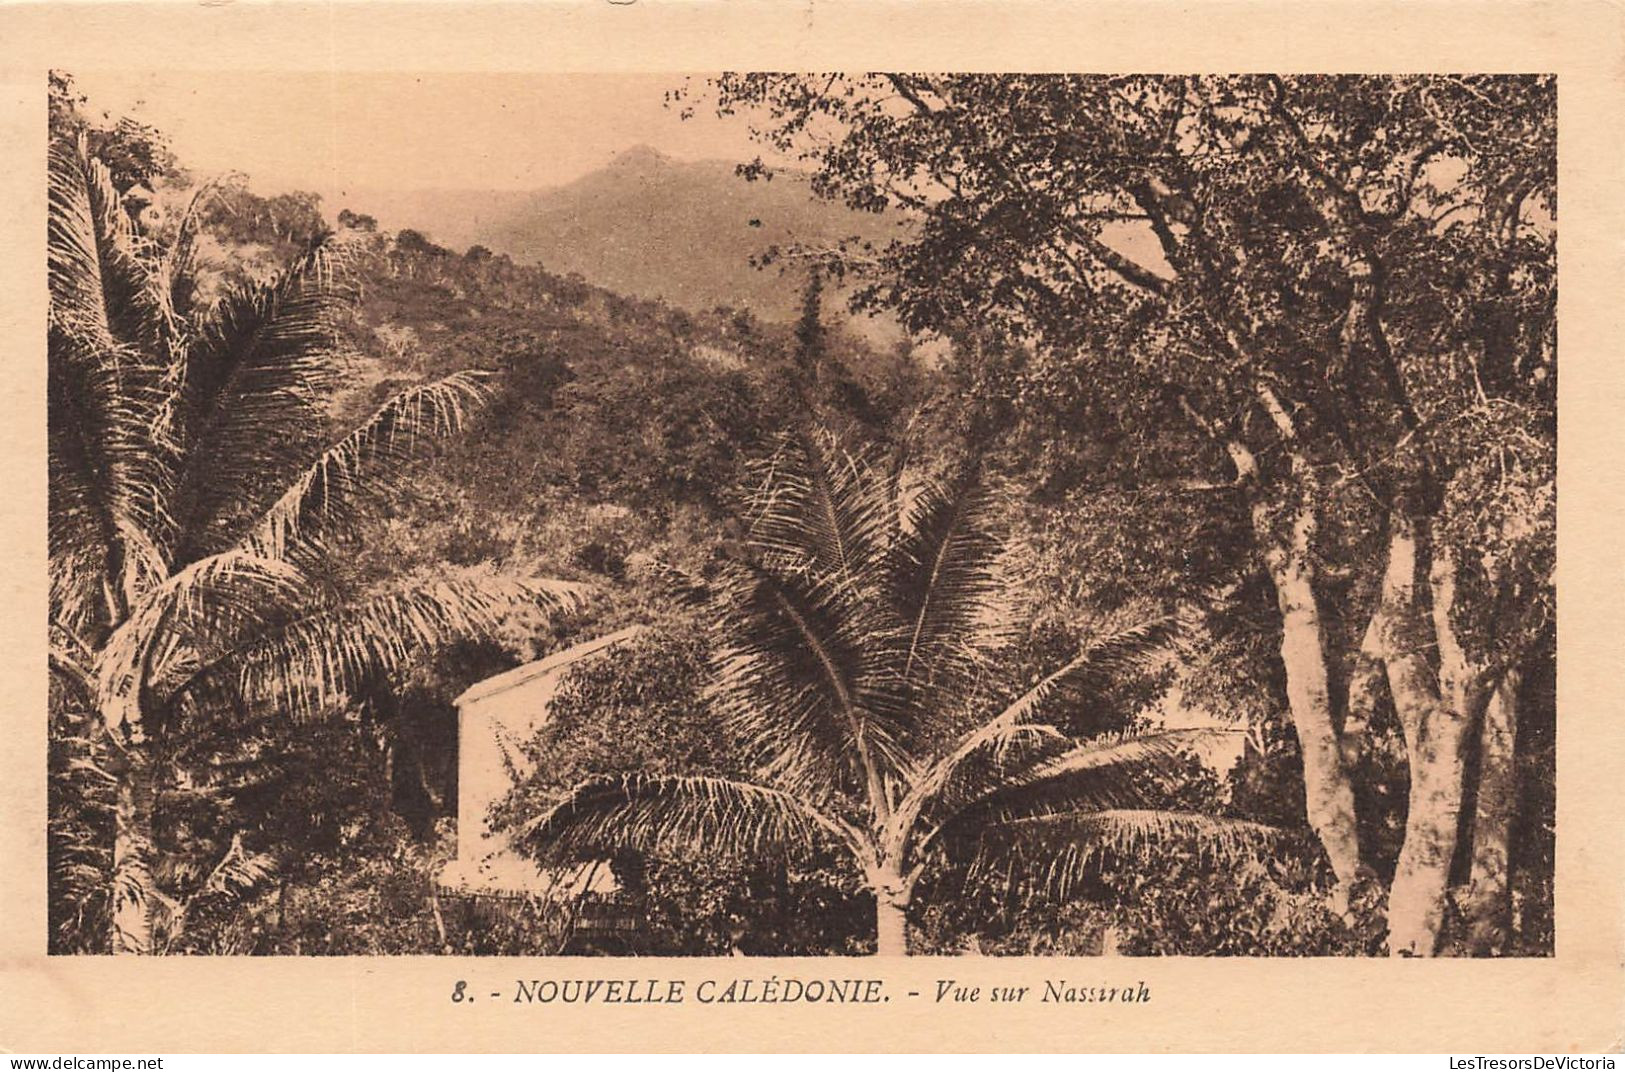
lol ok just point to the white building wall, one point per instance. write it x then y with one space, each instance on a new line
495 719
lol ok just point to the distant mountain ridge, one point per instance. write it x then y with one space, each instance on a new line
649 226
684 232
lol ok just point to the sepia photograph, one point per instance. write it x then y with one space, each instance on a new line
801 514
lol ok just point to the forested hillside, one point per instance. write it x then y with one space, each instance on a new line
653 227
649 226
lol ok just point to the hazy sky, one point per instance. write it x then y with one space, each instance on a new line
332 132
342 133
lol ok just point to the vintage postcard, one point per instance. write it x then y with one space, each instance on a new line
839 526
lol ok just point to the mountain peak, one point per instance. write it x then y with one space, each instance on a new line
641 158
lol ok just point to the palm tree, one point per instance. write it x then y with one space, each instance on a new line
194 510
858 634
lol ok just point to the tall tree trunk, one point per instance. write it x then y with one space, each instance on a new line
1436 738
132 895
891 913
1438 721
1488 901
1328 791
891 927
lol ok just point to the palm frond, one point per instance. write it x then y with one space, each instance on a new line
102 381
173 289
805 677
673 814
1057 849
1097 663
100 466
1094 663
1122 749
311 661
249 389
992 741
943 579
1129 770
810 651
820 505
72 661
365 462
210 595
97 283
75 585
176 268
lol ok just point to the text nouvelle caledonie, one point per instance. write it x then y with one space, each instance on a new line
774 989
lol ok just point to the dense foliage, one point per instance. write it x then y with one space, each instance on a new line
1315 312
862 645
198 497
